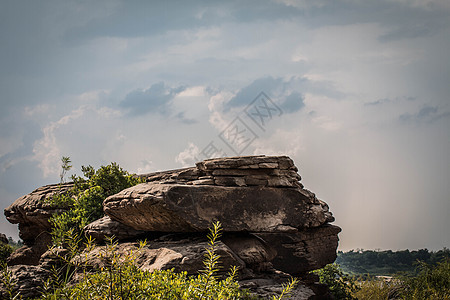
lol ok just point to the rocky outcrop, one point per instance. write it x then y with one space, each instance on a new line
257 194
106 227
273 226
191 208
32 213
302 251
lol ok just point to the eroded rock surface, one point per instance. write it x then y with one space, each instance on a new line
191 208
302 251
106 227
32 213
273 226
257 194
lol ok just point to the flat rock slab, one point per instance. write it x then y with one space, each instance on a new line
105 227
191 208
182 256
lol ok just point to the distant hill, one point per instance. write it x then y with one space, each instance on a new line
388 262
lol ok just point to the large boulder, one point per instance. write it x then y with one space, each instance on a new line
256 193
32 213
272 226
26 280
190 208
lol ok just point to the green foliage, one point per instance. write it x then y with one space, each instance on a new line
374 288
120 278
287 289
65 166
432 282
5 252
341 285
15 245
8 285
84 201
387 262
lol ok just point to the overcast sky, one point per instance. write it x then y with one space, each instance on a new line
358 96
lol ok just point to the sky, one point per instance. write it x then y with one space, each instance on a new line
356 92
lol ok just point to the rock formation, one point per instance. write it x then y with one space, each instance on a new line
272 225
31 212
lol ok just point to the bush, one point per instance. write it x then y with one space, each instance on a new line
120 278
84 201
375 288
5 252
340 284
432 282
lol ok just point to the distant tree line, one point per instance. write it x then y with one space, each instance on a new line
388 262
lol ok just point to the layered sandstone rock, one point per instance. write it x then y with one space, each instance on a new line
32 213
272 225
256 193
106 227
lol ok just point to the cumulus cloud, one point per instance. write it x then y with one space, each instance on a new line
156 99
188 156
282 93
46 150
328 65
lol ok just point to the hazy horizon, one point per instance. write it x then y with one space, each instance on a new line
358 96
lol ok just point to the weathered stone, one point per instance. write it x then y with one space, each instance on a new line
189 208
305 250
182 255
270 285
251 249
207 181
229 181
105 227
240 161
251 180
241 172
27 280
280 181
32 212
268 165
272 225
30 254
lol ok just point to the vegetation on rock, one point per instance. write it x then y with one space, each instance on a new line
119 278
5 252
341 285
83 203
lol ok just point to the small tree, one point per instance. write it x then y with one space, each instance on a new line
65 167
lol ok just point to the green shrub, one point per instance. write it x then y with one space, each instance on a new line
432 282
120 278
375 288
5 252
340 284
84 201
